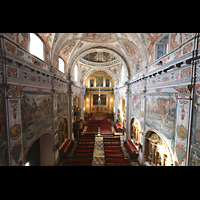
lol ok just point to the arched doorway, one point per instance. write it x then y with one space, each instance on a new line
40 153
156 152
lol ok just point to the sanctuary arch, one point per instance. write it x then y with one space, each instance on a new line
156 152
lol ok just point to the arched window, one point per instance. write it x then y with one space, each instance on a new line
36 46
137 66
162 46
76 73
61 64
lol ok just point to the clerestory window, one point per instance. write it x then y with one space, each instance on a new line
162 46
36 46
61 64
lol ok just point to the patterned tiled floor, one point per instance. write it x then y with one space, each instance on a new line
98 154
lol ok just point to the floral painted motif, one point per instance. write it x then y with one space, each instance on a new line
176 39
185 72
188 48
12 72
14 91
183 91
9 47
16 152
181 153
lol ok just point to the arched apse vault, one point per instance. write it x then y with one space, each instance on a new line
96 66
101 70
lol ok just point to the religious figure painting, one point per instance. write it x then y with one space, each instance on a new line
107 82
91 82
102 97
99 81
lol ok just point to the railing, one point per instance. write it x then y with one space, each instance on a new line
13 50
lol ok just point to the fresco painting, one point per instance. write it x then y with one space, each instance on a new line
136 105
195 156
3 137
161 112
99 37
62 101
196 116
195 141
36 110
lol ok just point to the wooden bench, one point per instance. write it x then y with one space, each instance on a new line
118 128
131 150
65 148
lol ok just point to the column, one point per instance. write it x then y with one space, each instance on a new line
127 110
164 157
153 153
150 153
146 149
82 103
109 102
191 88
90 103
143 108
116 102
70 100
15 130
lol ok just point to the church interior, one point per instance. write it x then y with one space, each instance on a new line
99 99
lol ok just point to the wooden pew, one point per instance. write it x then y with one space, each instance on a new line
65 148
131 150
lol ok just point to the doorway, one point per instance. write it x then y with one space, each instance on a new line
41 151
156 152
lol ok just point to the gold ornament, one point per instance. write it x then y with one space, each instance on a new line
182 131
15 130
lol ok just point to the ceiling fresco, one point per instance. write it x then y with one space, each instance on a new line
99 37
129 47
99 57
105 50
69 46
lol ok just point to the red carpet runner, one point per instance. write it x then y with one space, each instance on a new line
83 154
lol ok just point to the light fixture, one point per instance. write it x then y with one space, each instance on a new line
99 99
159 63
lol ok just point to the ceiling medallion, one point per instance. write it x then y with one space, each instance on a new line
99 56
99 37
